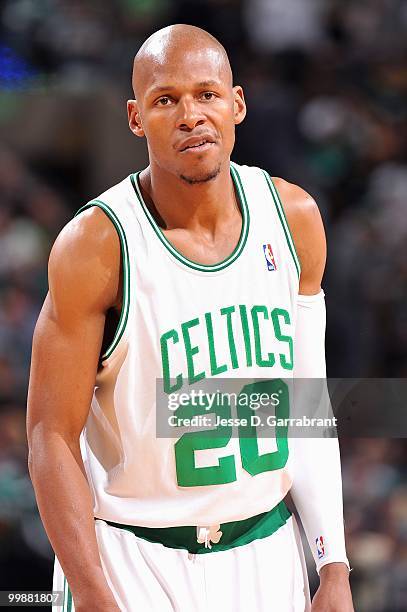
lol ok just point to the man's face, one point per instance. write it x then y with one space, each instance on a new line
187 109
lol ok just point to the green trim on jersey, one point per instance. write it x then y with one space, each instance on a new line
283 220
126 271
188 262
67 605
234 534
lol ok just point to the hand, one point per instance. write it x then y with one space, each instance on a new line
333 594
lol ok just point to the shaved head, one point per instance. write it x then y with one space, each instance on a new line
162 49
185 104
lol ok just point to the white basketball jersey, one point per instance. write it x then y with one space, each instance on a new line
183 323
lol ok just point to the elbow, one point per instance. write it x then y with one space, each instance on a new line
37 450
32 462
29 461
30 457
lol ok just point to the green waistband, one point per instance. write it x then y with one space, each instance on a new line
236 533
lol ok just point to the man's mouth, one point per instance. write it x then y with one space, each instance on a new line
196 145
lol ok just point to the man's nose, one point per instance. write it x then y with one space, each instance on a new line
189 114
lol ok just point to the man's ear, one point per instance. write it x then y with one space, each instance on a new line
133 114
239 104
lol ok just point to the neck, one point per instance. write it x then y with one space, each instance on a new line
182 205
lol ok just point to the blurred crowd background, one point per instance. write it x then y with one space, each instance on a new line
325 84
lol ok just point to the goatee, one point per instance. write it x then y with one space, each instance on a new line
192 180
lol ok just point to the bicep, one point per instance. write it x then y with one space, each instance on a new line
310 237
308 233
63 369
83 280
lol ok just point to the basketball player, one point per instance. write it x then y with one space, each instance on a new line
193 268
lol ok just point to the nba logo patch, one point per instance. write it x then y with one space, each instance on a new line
320 547
268 254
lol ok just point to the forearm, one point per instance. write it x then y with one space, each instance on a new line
66 509
317 481
317 495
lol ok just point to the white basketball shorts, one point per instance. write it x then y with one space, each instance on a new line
266 575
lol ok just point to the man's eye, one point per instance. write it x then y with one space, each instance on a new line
208 95
163 101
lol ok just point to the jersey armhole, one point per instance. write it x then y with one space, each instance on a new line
121 326
283 220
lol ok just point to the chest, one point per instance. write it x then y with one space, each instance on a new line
206 247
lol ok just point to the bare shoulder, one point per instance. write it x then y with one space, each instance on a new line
299 206
305 222
84 264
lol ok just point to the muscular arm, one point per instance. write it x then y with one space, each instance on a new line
317 485
84 272
308 234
